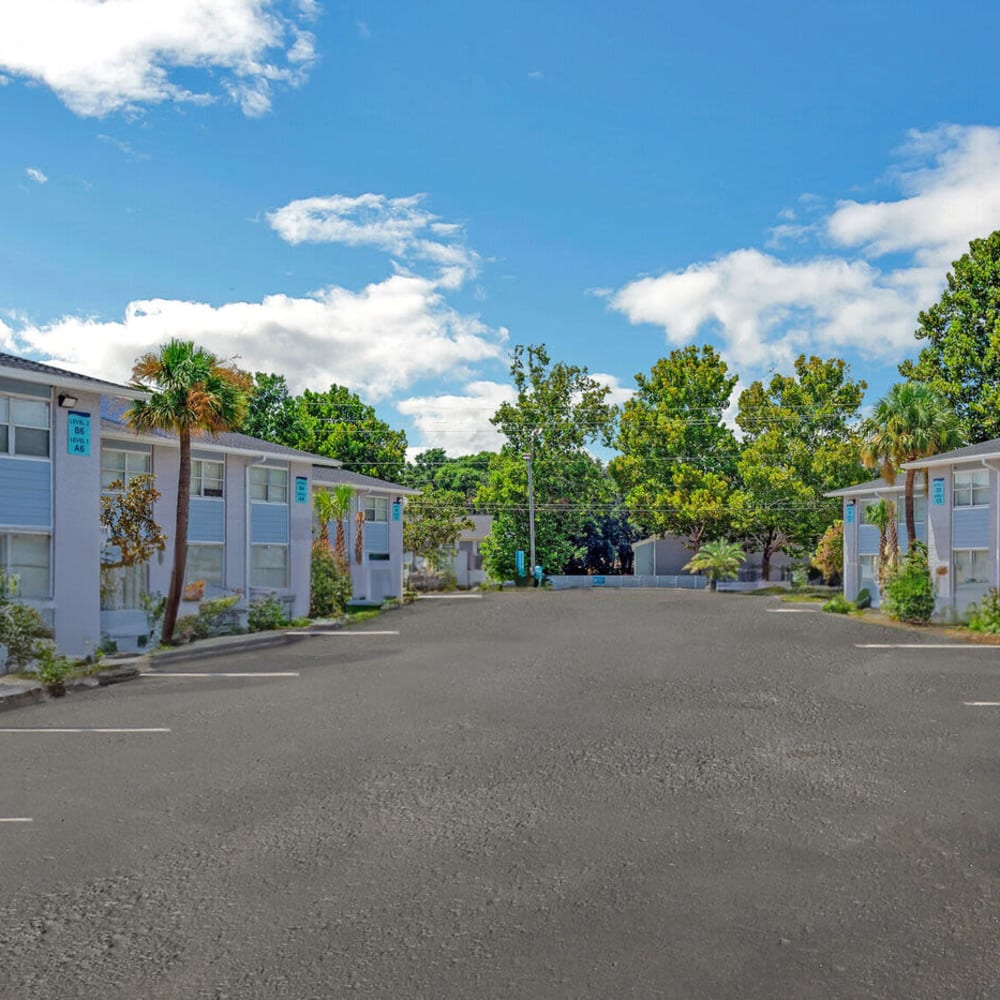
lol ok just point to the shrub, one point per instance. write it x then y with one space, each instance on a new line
909 590
266 615
21 627
51 666
838 605
329 585
215 617
829 556
864 598
985 616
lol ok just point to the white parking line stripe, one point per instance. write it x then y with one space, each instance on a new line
219 673
792 611
450 597
341 631
15 819
924 645
982 704
77 729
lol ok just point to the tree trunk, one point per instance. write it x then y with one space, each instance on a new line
911 519
180 537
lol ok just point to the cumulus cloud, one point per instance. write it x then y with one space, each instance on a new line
459 423
377 341
399 226
104 57
841 292
36 175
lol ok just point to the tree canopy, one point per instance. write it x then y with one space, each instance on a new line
961 359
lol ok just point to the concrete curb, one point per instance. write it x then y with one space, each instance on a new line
16 696
222 646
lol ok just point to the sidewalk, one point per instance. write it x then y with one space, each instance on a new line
18 691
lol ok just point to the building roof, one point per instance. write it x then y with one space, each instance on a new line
334 477
35 371
112 422
879 485
985 449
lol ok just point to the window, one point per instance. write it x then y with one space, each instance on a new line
378 556
27 557
376 508
869 569
269 485
204 562
971 489
24 427
919 509
207 477
971 567
122 465
269 566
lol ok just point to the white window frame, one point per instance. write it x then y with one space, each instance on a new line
198 478
5 560
190 576
128 475
255 584
7 401
970 482
375 504
268 485
971 553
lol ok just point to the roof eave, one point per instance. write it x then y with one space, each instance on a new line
70 382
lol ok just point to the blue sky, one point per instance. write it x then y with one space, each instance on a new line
390 196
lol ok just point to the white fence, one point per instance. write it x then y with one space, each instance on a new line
685 582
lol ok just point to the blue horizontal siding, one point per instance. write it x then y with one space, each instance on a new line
970 528
868 537
268 524
376 537
25 493
207 521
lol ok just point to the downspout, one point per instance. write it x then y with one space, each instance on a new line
996 553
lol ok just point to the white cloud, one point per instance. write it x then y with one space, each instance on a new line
100 57
36 175
399 226
619 393
459 423
377 341
844 296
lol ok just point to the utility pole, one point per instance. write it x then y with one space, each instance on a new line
531 513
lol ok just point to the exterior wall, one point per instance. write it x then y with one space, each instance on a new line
76 548
660 557
300 516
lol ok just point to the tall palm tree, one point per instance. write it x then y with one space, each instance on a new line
190 392
342 497
910 422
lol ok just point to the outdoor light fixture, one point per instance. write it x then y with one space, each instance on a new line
67 402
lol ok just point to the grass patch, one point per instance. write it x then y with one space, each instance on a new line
360 614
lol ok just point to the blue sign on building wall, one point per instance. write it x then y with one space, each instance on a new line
937 492
78 433
849 512
519 558
397 511
301 489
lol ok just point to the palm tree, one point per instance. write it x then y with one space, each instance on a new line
341 499
717 560
910 422
190 392
883 516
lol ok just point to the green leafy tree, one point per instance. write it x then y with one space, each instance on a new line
961 359
432 525
911 421
718 560
190 392
465 474
909 590
127 516
799 442
677 458
271 411
829 555
559 411
338 425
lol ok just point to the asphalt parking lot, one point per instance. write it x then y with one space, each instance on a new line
577 794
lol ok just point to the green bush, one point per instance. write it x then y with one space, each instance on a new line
266 615
909 590
21 627
51 666
838 605
864 598
985 616
215 617
329 585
